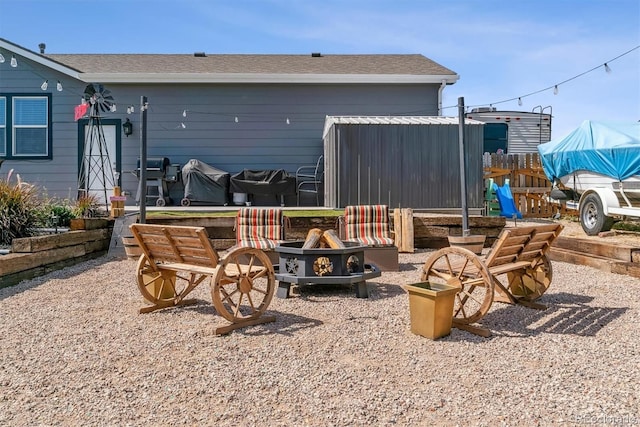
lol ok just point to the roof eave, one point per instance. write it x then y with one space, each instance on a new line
40 59
267 78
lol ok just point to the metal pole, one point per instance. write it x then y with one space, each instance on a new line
463 181
143 159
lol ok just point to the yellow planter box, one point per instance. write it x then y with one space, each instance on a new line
431 308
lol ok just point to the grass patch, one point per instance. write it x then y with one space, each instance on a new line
289 213
627 226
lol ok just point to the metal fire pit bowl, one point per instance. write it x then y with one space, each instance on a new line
323 266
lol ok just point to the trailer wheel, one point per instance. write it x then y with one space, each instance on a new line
592 217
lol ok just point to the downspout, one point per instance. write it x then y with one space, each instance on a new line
440 89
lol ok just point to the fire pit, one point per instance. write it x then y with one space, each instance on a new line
323 266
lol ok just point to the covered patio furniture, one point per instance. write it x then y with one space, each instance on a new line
204 184
277 182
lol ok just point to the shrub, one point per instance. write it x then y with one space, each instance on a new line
53 212
87 206
18 209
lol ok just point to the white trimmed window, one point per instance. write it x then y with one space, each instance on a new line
25 126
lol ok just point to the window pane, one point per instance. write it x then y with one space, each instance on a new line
3 123
30 111
30 141
3 111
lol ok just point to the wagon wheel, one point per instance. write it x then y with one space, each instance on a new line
244 285
463 269
529 284
158 286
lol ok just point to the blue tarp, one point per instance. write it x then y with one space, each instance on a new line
611 149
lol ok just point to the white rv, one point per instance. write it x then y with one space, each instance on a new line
513 132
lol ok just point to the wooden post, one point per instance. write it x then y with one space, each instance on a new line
397 229
407 230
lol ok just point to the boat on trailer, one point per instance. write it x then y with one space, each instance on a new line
597 165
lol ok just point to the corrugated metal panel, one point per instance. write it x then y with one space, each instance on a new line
392 120
402 163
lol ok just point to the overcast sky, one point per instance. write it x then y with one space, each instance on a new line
501 49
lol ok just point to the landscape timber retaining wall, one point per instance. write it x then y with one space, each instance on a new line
430 230
34 256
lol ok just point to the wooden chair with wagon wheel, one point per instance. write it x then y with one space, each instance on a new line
176 259
516 270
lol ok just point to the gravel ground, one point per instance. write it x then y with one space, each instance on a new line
75 351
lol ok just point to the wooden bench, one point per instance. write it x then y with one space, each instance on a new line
369 225
176 259
516 270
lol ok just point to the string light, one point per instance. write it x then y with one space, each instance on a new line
14 61
59 86
1 58
184 113
183 126
236 119
555 87
520 101
44 85
113 108
288 121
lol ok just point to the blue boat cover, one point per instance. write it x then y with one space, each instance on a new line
611 149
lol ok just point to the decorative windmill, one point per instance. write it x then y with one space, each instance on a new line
97 175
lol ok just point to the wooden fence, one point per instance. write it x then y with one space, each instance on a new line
529 185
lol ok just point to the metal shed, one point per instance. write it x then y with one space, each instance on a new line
401 161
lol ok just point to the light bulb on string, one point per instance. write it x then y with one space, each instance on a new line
288 121
1 58
520 101
113 108
184 113
44 85
14 61
607 68
59 86
236 119
183 126
555 90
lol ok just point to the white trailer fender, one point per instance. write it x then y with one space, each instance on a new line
607 197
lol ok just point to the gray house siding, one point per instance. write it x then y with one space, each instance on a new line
407 165
231 126
56 176
260 139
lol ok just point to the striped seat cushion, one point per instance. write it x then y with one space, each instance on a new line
259 228
368 225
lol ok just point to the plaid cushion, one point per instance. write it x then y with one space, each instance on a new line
368 225
259 228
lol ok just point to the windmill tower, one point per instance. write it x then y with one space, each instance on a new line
97 177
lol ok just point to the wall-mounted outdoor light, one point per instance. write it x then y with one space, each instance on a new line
127 128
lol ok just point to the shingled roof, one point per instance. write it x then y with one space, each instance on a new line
263 64
208 68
